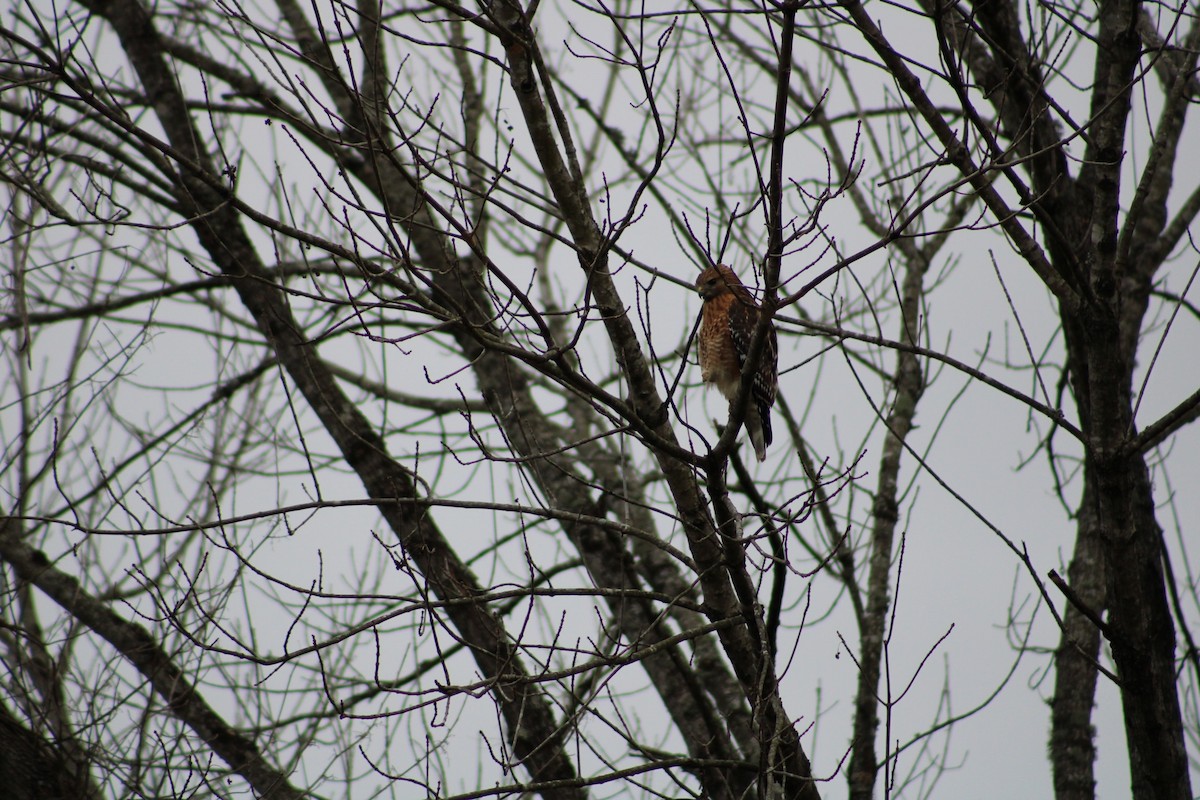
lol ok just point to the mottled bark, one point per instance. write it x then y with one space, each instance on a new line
140 649
1101 289
534 735
1072 735
552 142
863 768
32 768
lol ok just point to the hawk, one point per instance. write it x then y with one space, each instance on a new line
726 328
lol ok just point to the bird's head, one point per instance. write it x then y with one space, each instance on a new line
716 281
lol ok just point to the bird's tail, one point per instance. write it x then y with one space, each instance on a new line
758 426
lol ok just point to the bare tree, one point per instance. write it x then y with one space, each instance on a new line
353 443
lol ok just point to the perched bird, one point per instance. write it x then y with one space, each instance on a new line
726 328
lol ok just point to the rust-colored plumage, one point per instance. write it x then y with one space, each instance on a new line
726 329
